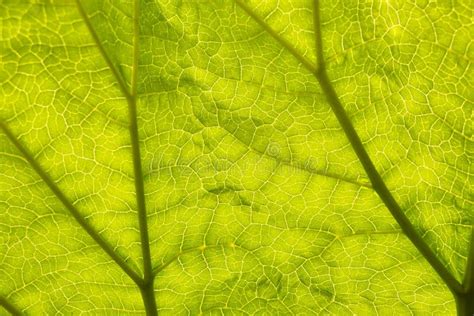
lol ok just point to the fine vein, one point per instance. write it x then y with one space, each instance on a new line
378 184
69 206
161 267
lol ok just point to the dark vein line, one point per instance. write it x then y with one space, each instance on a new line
145 284
139 185
118 77
276 36
9 306
465 299
147 287
305 168
377 182
69 206
468 282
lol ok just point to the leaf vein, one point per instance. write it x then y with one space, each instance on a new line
378 184
69 206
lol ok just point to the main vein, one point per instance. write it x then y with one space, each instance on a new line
12 309
147 288
468 282
145 284
375 178
137 162
319 71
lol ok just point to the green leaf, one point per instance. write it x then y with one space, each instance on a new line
236 157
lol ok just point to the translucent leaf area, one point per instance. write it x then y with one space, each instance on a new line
238 157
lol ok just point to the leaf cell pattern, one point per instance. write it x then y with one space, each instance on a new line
235 157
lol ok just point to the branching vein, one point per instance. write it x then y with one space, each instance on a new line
378 184
69 206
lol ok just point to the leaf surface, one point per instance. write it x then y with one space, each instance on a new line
189 155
